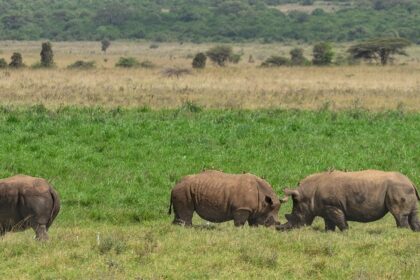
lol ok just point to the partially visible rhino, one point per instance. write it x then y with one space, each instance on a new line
27 202
219 197
363 196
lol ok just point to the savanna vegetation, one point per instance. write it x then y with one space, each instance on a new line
114 140
209 20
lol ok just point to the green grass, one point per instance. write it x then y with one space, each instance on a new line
114 170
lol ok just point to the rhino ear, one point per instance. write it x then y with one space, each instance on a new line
293 193
268 200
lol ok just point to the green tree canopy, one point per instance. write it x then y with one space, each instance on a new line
381 49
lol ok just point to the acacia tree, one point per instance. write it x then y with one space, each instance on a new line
220 54
381 49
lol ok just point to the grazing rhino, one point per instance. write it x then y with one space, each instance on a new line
363 196
27 202
218 197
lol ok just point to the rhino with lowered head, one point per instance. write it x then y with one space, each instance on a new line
27 202
219 197
363 196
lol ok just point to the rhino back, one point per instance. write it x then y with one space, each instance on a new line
361 195
216 195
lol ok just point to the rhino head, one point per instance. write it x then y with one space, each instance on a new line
268 215
301 213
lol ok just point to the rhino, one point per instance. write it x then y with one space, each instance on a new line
26 202
218 197
362 196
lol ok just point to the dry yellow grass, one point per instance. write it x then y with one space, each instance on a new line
243 86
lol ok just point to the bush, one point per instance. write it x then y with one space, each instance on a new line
105 43
297 58
220 54
235 58
322 54
199 61
127 62
80 64
47 55
16 61
3 63
154 46
275 61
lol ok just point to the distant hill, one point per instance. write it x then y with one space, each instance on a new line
209 20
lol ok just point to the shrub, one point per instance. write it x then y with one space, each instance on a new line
127 62
220 54
154 46
199 61
3 63
275 61
105 43
80 64
322 54
16 61
47 55
235 58
297 58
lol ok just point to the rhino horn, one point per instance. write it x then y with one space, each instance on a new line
284 199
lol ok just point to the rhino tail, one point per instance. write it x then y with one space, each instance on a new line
170 207
56 206
417 193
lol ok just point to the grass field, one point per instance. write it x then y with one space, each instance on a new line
114 169
114 142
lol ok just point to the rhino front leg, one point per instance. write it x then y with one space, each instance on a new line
414 221
402 221
240 217
336 217
329 225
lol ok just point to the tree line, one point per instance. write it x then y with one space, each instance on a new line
381 50
206 20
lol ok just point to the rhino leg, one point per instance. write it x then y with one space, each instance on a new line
336 217
240 217
41 232
401 220
414 221
184 211
183 219
329 225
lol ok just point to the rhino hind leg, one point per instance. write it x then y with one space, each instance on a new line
336 217
41 232
414 222
240 217
183 215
